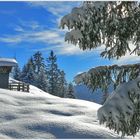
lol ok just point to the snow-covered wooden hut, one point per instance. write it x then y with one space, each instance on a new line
6 65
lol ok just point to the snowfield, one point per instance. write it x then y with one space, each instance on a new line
40 115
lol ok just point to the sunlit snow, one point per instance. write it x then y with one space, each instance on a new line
40 115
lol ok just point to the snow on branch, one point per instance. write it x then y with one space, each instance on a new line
121 111
101 77
113 24
74 36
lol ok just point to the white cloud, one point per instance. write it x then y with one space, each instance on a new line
53 39
19 29
68 49
59 46
128 59
33 32
28 26
10 40
57 8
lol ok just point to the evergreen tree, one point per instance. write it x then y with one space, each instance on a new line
103 76
62 84
24 73
38 62
113 24
70 91
53 74
28 74
39 70
31 63
16 72
105 96
41 79
34 72
49 78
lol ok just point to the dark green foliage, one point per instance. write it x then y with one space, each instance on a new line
113 24
62 84
101 77
16 72
105 96
28 73
70 91
41 80
134 124
52 74
48 78
38 62
55 77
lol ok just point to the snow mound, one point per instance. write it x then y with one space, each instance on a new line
40 115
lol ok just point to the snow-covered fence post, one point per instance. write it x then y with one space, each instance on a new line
121 111
23 87
28 87
18 87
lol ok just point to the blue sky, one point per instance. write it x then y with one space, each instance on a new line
27 27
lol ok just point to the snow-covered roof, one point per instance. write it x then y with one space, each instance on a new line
7 62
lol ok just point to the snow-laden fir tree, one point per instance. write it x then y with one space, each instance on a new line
62 83
28 75
53 75
48 78
40 71
38 62
115 25
111 23
70 91
121 111
41 79
105 96
23 76
102 77
16 72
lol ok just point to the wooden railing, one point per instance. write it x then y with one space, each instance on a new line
19 87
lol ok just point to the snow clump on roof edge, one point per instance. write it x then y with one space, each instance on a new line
7 62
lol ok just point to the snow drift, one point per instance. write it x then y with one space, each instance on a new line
40 115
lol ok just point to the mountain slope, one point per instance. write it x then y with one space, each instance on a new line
40 115
84 93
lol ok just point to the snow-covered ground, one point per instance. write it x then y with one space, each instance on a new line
40 115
